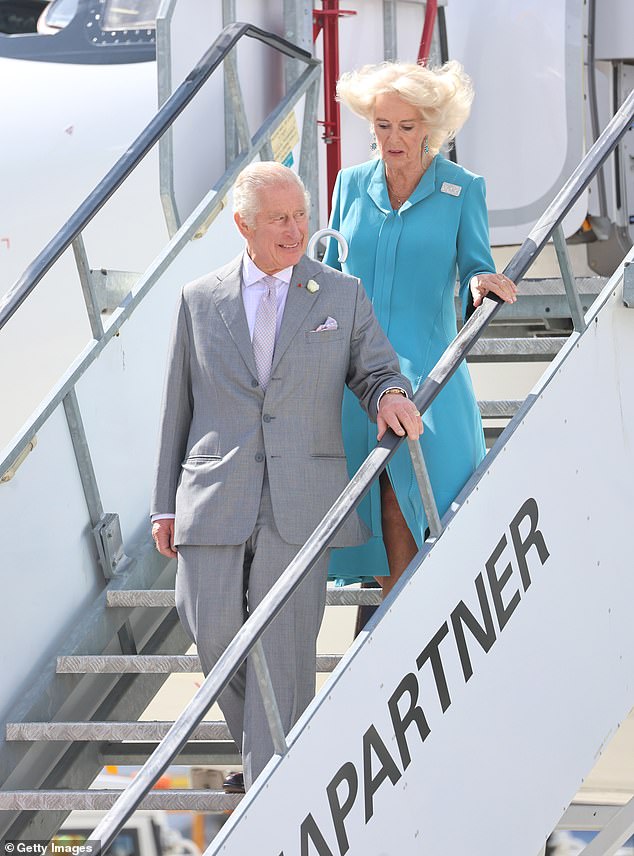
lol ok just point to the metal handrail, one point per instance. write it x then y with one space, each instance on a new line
126 164
248 635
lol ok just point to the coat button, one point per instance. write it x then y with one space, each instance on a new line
254 383
266 418
259 457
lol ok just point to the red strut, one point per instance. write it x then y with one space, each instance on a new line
327 20
431 9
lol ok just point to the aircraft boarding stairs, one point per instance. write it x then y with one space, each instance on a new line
480 694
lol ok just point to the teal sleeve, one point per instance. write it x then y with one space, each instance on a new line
473 247
331 257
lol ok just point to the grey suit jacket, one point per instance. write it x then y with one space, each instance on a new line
219 429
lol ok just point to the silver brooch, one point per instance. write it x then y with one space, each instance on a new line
451 189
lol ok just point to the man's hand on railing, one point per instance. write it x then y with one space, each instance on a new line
397 412
163 534
499 284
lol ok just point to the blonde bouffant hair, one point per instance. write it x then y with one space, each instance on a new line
443 96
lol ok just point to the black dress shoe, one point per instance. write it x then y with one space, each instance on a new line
233 783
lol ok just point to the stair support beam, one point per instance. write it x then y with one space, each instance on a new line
106 528
309 154
237 133
83 457
85 278
271 708
425 488
563 258
231 146
390 46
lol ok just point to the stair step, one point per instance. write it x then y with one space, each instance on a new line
141 597
499 409
112 731
165 597
153 664
210 743
101 800
523 348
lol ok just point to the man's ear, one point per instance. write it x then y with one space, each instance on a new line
242 225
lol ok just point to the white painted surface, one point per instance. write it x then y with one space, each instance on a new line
63 127
523 732
615 25
68 125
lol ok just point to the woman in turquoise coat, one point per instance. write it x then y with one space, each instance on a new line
412 220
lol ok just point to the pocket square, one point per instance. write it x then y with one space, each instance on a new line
329 324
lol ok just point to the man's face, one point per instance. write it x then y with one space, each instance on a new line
277 239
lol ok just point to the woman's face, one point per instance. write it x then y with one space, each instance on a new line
399 131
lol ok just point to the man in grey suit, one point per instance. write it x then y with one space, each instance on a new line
251 455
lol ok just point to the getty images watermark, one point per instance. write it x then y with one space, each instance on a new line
48 848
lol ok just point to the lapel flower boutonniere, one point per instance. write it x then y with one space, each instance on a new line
312 286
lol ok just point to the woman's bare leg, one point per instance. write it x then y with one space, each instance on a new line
400 545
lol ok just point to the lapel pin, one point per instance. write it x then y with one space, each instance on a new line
312 286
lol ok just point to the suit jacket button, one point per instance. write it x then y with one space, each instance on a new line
254 383
266 418
259 457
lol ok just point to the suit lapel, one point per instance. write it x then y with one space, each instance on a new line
227 296
299 302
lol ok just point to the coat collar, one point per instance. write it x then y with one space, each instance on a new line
377 188
298 304
227 296
228 299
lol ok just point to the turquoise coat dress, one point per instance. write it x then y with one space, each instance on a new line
407 261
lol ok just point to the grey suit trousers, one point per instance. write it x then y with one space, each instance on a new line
216 587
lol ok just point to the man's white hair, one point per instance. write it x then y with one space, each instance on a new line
257 177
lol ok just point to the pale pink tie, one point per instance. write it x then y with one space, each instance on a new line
264 330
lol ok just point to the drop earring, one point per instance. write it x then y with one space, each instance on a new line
426 145
373 143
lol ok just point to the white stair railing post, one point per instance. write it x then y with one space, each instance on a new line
425 488
268 697
90 298
576 309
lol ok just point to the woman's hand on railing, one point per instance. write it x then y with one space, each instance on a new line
499 284
399 413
